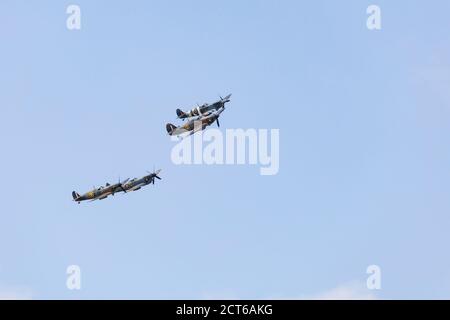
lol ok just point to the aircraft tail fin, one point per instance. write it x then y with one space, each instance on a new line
181 114
75 195
170 128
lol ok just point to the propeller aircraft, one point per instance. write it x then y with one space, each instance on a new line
136 184
110 189
200 110
100 193
197 124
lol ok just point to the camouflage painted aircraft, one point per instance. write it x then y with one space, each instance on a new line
101 192
125 186
200 110
197 124
136 184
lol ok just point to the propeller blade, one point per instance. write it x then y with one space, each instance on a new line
218 124
122 183
158 177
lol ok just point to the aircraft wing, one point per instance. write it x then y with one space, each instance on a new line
215 105
102 196
134 188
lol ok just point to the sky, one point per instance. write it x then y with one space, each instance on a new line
364 149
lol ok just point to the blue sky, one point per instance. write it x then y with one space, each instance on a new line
364 157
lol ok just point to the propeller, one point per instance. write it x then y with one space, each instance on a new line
226 99
120 185
218 124
154 175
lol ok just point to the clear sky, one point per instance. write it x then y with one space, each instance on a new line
364 149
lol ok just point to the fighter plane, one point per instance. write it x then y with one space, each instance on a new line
136 184
101 192
200 110
197 124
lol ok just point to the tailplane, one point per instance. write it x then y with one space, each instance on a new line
181 114
75 195
170 128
